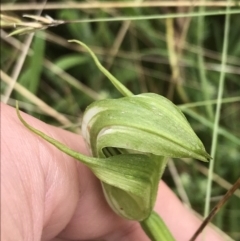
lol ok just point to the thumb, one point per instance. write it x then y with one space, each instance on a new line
47 193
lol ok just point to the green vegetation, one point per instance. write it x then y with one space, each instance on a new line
182 59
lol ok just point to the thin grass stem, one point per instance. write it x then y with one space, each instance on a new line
200 60
112 5
217 114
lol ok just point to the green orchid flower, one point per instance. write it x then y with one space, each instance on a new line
130 139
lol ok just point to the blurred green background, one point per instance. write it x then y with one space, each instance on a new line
179 58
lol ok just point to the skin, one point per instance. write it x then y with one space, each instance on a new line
47 195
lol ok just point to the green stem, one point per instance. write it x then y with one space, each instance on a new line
118 85
156 229
200 59
162 16
85 159
218 110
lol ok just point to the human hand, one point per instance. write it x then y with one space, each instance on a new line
47 195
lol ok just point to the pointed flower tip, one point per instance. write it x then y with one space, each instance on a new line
209 158
204 156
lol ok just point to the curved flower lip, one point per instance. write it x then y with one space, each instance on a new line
86 127
151 123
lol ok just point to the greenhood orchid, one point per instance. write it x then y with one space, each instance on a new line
130 139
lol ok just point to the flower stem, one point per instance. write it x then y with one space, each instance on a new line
156 229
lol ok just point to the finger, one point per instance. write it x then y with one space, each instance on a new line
181 221
55 194
35 186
